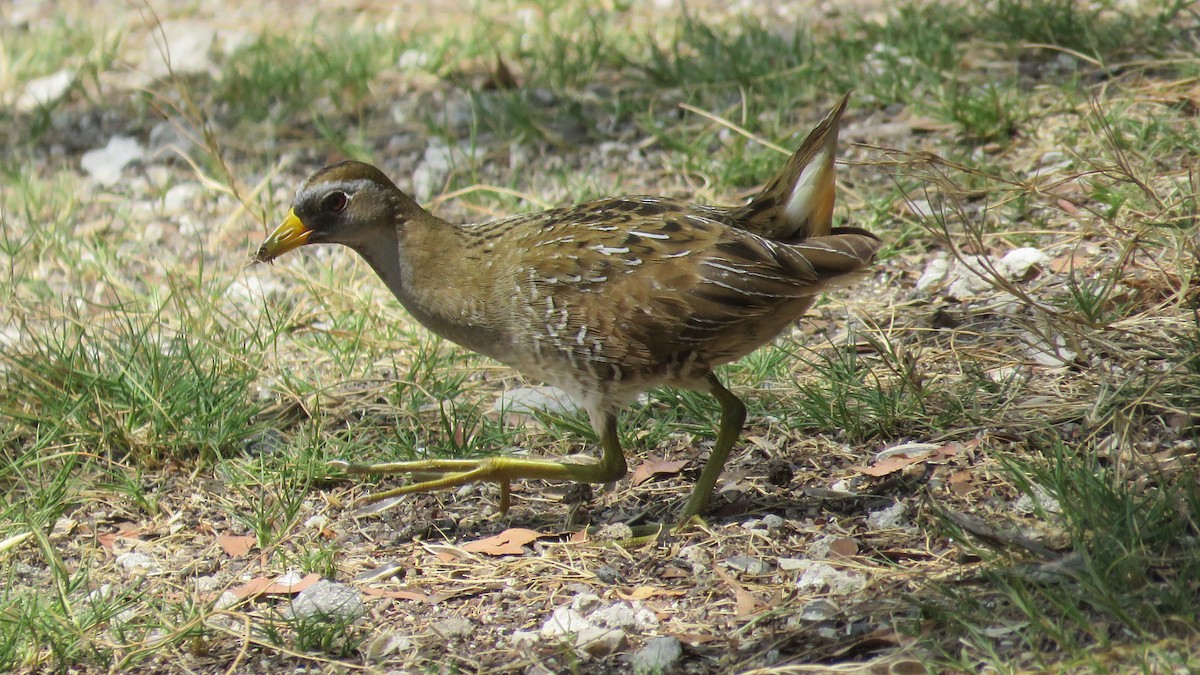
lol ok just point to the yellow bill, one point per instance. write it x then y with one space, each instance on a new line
290 234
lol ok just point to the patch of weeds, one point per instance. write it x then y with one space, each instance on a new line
272 490
62 627
1128 575
985 113
169 380
1096 29
703 53
904 59
851 395
333 635
278 76
468 432
80 49
130 484
1096 298
313 558
37 216
572 48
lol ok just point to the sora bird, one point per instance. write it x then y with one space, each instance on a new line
604 300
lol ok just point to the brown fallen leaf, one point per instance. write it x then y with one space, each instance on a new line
509 542
693 639
745 601
896 462
646 592
1068 263
960 483
236 546
125 530
653 467
265 586
843 548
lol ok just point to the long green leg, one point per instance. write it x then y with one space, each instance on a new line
733 416
455 472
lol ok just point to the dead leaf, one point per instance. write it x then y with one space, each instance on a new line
745 601
900 460
693 639
265 586
843 548
653 467
647 592
236 546
1067 263
960 483
509 542
1068 206
127 531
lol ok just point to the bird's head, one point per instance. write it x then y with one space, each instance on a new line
348 203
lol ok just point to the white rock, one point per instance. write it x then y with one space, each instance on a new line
184 45
819 576
454 627
104 165
327 599
792 564
207 584
935 273
431 172
228 599
1041 497
887 518
387 644
44 91
599 642
819 610
585 602
1056 355
529 400
564 621
644 618
412 59
180 198
171 139
250 288
617 615
152 233
660 655
968 278
524 639
1022 263
136 562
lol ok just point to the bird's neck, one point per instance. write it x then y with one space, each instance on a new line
428 266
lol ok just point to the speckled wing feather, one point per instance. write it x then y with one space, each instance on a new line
652 285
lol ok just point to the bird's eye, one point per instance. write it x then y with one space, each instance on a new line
336 201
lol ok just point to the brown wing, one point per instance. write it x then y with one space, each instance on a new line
655 290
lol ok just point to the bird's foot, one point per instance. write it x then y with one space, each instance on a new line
440 474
